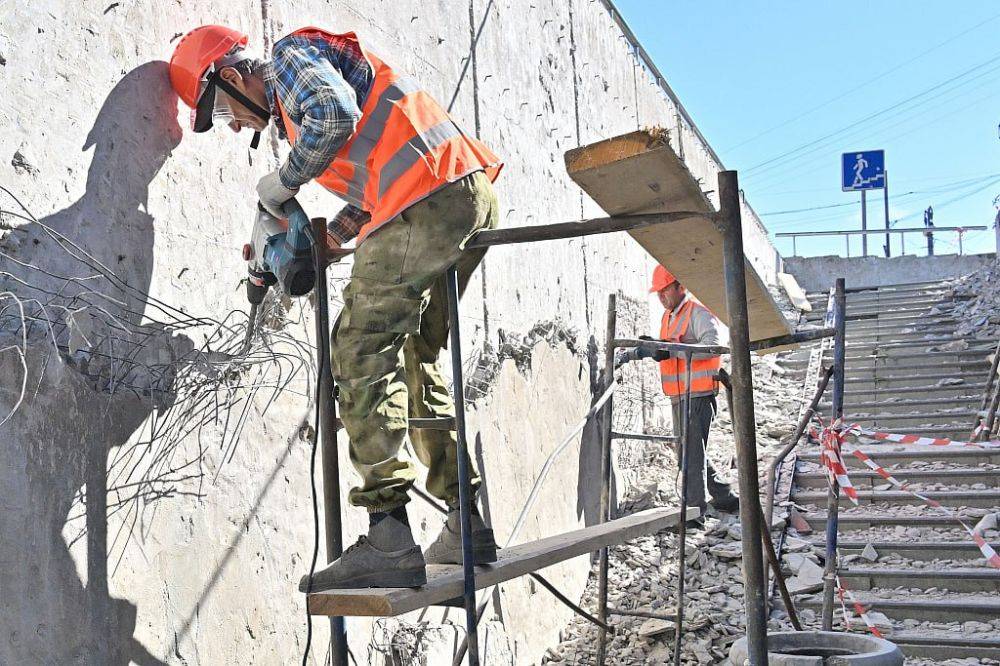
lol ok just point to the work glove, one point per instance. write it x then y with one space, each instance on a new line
655 354
272 193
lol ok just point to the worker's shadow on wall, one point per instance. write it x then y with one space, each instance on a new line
56 611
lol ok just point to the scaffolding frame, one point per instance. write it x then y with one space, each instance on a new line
729 220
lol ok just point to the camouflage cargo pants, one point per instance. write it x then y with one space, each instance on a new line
386 342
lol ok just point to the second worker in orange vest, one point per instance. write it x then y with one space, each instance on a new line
686 320
417 188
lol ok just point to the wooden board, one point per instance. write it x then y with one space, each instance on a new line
444 582
640 173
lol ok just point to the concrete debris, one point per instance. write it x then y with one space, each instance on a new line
22 166
799 523
642 574
987 524
654 627
869 553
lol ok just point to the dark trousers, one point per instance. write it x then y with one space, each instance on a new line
700 469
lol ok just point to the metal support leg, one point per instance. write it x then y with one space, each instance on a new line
328 431
682 526
464 485
744 426
765 537
832 501
605 507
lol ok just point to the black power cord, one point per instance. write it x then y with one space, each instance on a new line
321 351
315 507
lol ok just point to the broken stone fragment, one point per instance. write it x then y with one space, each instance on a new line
656 627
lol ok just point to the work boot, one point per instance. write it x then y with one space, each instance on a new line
386 557
447 548
727 503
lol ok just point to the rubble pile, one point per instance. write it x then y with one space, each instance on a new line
643 573
975 303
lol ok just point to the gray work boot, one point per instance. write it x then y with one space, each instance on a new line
386 557
447 548
364 565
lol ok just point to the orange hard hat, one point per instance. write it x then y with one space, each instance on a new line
662 278
195 53
193 70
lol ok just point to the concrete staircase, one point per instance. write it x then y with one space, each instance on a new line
907 372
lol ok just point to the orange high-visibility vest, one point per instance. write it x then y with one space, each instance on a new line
404 148
673 371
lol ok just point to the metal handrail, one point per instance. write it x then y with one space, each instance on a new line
847 233
896 230
772 470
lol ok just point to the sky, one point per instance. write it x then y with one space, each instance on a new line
782 89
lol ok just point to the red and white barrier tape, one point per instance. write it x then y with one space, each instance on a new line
897 438
988 552
831 440
858 608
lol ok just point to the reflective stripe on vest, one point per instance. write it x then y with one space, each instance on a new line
404 148
673 371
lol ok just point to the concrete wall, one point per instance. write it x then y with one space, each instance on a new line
199 564
819 273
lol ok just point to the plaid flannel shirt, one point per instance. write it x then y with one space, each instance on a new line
322 87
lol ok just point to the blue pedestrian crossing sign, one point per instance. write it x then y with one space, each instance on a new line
863 170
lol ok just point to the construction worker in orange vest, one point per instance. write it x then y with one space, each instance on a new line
417 188
686 320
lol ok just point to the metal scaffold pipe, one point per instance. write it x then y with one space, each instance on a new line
832 503
328 432
744 425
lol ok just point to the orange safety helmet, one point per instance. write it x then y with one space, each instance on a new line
662 278
199 51
195 53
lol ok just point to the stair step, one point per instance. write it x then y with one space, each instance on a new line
965 579
886 406
964 390
933 646
863 521
899 420
922 381
953 608
886 454
864 478
942 333
971 498
911 550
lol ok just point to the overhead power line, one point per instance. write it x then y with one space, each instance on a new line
902 103
817 154
863 85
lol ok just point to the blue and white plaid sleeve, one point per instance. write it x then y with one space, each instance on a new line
312 89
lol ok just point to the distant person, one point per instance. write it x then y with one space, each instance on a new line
686 320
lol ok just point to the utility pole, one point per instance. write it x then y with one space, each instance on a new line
929 224
864 224
885 198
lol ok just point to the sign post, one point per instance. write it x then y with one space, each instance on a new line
864 170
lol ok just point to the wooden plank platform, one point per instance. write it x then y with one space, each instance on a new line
444 582
640 173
